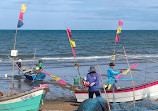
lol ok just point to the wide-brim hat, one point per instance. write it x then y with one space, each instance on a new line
92 69
111 64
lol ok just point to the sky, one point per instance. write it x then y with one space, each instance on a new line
80 14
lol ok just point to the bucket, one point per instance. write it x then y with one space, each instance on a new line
76 81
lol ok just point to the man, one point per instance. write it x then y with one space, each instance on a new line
40 65
19 66
111 74
93 82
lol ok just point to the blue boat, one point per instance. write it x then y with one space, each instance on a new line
35 76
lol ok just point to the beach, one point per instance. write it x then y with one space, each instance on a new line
60 105
58 60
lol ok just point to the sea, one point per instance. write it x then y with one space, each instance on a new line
92 47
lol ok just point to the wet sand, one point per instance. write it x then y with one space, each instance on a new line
60 105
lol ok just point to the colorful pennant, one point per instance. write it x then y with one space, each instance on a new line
20 22
134 66
73 53
118 30
21 15
23 8
69 33
72 43
120 23
117 38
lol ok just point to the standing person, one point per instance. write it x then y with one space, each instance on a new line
40 65
111 74
93 82
19 66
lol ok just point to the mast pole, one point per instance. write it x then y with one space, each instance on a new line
76 63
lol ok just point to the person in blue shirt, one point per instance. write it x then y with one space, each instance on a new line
111 74
93 82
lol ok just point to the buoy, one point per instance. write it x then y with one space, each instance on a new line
76 81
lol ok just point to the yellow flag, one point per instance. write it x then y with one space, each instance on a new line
125 72
54 77
109 86
118 30
23 7
72 43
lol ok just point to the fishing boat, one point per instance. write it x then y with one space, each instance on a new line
125 94
32 73
27 101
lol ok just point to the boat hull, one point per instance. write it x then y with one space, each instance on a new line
35 77
23 102
125 95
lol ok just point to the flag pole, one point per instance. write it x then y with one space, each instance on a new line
131 77
76 63
115 44
106 96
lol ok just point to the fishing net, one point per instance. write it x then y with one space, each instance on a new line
144 105
96 104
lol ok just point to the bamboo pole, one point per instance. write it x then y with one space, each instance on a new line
131 77
76 63
106 96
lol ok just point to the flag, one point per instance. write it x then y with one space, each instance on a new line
119 76
125 72
118 30
72 43
23 7
120 22
69 33
109 86
20 23
21 15
73 53
117 38
134 66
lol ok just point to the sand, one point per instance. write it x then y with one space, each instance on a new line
60 105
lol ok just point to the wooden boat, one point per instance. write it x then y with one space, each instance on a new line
126 94
27 101
32 73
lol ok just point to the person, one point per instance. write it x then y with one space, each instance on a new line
40 65
19 65
111 74
93 82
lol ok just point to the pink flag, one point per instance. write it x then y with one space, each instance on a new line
117 38
74 53
120 22
62 82
134 66
21 15
119 76
69 33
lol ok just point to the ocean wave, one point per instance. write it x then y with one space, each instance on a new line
97 57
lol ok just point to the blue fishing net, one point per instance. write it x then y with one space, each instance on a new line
143 105
100 104
96 104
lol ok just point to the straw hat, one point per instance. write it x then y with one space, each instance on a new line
92 69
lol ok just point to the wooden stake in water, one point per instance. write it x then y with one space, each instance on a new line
106 96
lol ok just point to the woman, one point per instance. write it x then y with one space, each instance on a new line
93 82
